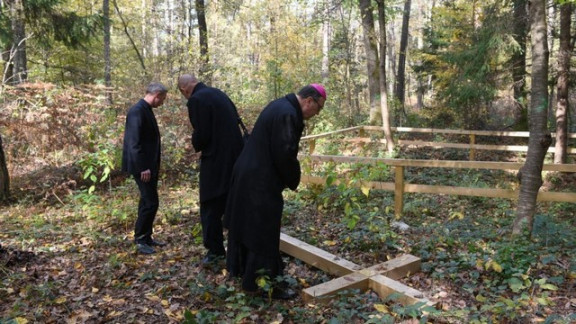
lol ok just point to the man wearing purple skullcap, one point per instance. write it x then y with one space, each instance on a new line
267 165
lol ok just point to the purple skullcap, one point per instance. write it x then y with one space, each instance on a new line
320 89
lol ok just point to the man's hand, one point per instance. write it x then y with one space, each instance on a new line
145 175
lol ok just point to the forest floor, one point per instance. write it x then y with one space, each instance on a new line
67 256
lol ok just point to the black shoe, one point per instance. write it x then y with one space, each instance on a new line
144 248
212 260
152 242
281 294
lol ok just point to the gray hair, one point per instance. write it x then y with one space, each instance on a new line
156 87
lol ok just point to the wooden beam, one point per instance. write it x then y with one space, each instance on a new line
407 295
396 268
325 292
399 192
438 163
345 130
458 131
472 154
316 257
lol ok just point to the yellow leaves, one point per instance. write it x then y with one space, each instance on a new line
115 313
60 300
330 243
303 282
206 296
153 298
481 298
20 320
491 264
365 190
458 215
381 308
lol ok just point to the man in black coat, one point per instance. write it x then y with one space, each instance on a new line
267 165
141 158
217 135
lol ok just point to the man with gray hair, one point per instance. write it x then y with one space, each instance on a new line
141 159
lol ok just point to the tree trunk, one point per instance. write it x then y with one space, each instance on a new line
519 62
140 59
325 45
383 88
4 176
562 84
8 70
401 76
107 63
203 34
371 57
20 70
530 174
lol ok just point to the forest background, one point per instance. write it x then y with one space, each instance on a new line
71 69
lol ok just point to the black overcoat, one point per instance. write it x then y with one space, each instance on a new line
141 148
267 165
216 134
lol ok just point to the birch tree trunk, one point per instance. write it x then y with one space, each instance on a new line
383 88
530 174
107 63
371 57
562 104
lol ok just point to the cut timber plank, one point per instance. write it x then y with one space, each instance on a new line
399 267
352 276
325 292
396 268
316 257
385 286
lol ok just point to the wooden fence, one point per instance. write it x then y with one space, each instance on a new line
400 186
472 134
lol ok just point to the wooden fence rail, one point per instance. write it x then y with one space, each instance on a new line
399 186
472 146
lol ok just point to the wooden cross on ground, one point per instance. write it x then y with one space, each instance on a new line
381 278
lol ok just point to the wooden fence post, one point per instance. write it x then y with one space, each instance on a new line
312 146
399 192
472 149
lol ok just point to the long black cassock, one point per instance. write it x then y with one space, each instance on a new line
267 165
217 135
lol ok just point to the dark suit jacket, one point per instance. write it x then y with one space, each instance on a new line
217 135
141 149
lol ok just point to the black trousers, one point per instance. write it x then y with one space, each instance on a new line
211 212
147 208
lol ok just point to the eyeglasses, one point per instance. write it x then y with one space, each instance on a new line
316 101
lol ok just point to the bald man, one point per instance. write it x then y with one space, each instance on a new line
217 136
